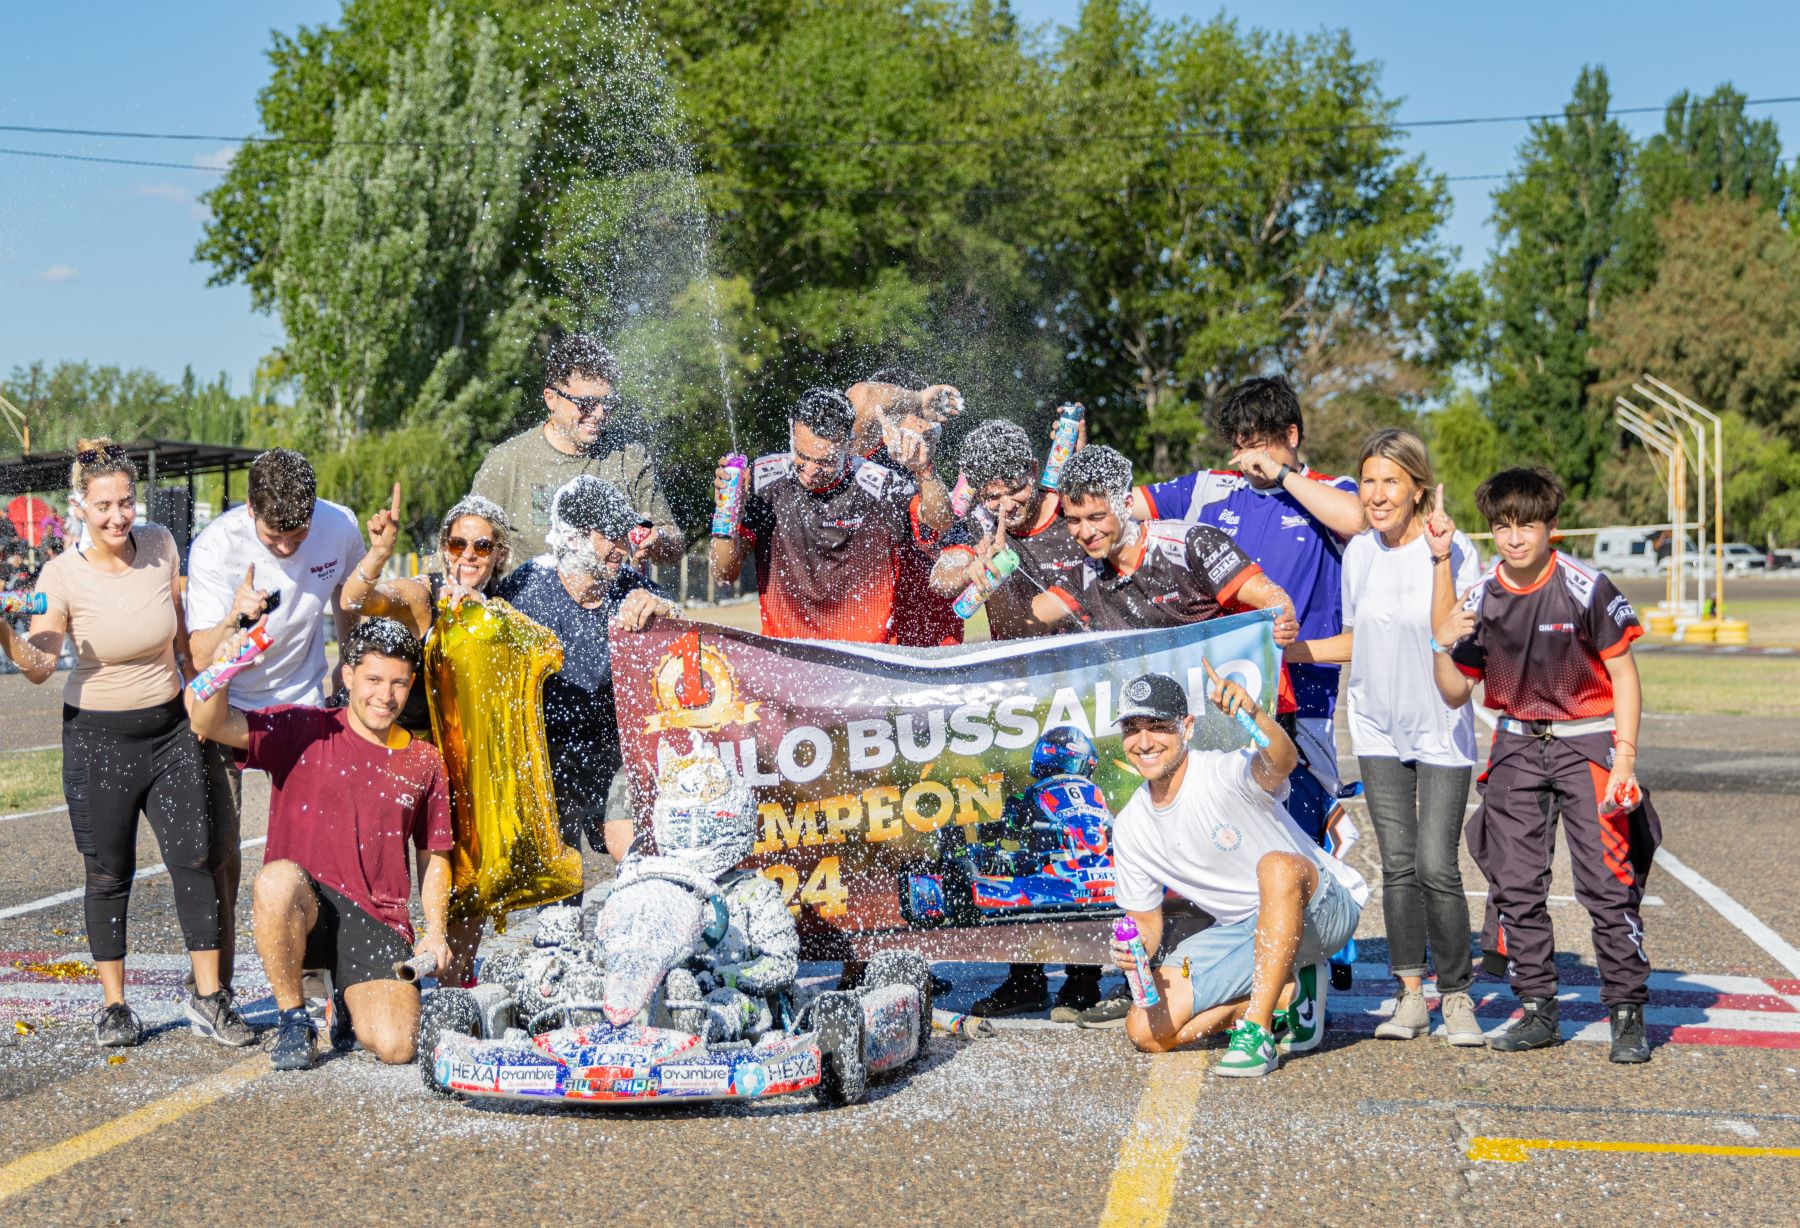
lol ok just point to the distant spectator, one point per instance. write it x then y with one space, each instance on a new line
580 436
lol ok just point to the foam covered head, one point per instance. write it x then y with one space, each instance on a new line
704 814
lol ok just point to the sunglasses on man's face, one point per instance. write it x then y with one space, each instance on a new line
482 546
588 405
93 456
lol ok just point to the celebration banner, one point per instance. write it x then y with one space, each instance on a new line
882 774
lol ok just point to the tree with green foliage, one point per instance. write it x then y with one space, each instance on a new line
392 280
1562 219
1229 203
1722 323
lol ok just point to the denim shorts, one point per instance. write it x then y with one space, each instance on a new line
1221 959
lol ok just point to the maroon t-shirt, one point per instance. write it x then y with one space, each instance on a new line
347 811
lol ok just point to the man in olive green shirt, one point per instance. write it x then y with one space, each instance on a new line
523 473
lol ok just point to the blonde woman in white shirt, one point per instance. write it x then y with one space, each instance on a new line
1416 754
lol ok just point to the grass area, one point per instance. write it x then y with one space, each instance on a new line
1720 686
31 780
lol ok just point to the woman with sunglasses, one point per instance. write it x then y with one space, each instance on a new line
127 745
472 548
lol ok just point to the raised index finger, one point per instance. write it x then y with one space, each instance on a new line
1211 673
394 507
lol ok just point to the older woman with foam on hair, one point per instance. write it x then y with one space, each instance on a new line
473 546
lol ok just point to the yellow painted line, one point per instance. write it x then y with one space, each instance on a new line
1143 1183
40 1166
1518 1150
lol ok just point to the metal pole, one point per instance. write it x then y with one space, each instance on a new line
1655 436
1718 480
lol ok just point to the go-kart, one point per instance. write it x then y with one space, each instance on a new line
1066 867
496 1041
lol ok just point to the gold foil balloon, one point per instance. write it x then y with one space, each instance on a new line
485 668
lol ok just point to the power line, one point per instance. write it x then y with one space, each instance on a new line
937 142
1048 190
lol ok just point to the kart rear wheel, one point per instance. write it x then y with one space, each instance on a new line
903 968
837 1018
446 1012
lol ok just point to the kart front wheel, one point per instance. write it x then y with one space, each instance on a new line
837 1018
446 1012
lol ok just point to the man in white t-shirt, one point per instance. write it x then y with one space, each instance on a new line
1210 826
286 553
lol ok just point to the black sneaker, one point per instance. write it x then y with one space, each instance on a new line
1630 1045
1539 1028
1109 1013
215 1018
1024 991
295 1041
117 1026
1080 990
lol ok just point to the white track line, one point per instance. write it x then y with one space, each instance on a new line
32 814
65 897
1751 926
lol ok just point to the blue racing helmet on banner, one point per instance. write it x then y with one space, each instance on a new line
1064 749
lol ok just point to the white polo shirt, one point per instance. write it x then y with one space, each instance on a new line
294 666
1204 845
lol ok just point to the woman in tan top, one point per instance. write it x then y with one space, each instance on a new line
127 746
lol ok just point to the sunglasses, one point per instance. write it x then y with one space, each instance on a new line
588 405
482 546
93 456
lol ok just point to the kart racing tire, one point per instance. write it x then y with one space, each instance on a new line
837 1019
446 1012
904 968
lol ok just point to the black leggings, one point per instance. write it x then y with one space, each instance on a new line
116 764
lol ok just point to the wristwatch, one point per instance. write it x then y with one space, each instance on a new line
1282 474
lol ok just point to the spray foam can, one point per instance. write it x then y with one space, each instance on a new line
973 597
211 680
728 504
1062 443
13 601
1143 985
962 496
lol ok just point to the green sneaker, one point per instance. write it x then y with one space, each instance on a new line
1250 1054
1306 1013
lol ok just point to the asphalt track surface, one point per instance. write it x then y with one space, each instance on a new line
1043 1124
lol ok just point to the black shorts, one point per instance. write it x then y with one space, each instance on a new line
350 944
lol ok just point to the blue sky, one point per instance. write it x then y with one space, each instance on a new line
95 261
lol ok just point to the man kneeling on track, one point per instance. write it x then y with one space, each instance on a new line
350 790
1210 826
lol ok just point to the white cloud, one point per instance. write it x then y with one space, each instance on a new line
174 193
218 160
59 272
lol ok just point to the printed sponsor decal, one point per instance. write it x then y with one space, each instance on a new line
749 1079
694 1079
471 1076
528 1078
